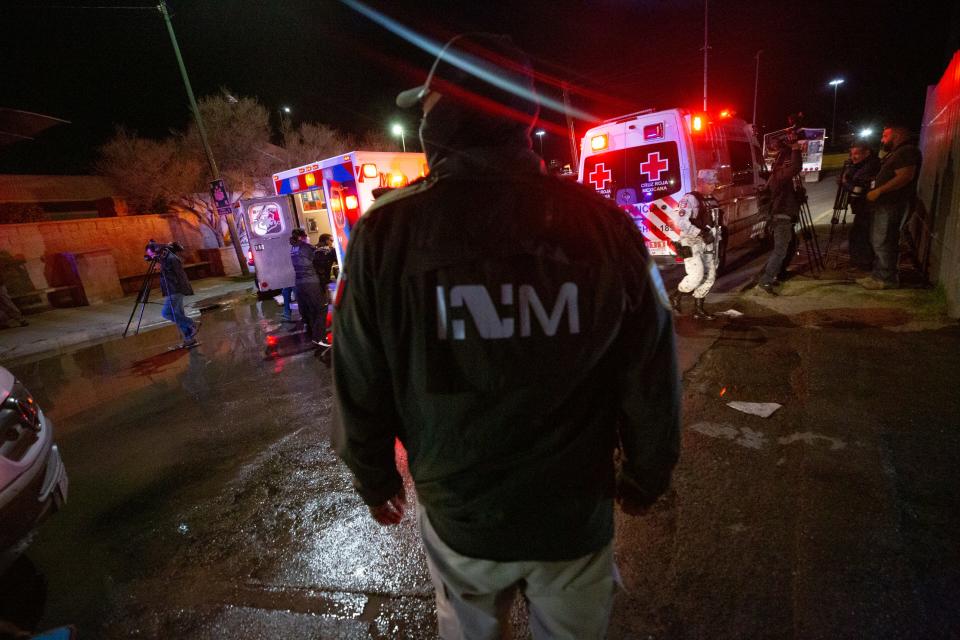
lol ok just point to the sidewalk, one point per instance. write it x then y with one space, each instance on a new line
63 329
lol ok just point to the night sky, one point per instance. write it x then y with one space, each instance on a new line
102 67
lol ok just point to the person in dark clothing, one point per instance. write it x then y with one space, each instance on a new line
856 179
8 310
324 258
174 284
894 192
510 329
311 295
784 209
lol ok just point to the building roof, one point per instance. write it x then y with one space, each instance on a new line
34 188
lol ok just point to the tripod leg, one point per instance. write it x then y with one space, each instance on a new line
143 305
142 296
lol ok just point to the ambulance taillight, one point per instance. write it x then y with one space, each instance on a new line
696 124
370 170
351 203
599 143
397 180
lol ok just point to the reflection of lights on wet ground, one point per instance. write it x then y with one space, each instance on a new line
723 391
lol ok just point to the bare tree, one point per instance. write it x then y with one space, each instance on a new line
156 176
173 174
376 140
311 142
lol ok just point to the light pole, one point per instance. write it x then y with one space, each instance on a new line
833 123
201 129
284 119
540 133
756 85
398 131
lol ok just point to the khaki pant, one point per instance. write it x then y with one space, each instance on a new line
568 599
701 268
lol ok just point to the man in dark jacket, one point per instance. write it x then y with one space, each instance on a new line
856 179
510 330
311 292
174 284
894 192
784 210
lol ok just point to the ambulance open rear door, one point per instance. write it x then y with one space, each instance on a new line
270 221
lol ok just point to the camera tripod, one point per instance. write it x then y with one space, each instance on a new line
143 296
840 203
808 233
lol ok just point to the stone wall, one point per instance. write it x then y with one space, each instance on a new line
36 243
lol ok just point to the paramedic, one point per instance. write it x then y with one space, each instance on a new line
509 329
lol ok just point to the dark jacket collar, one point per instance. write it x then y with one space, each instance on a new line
488 161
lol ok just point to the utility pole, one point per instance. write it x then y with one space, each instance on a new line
756 85
706 49
231 225
571 134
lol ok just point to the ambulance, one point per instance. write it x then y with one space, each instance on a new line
646 161
327 196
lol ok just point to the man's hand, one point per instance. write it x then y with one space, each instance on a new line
391 511
872 195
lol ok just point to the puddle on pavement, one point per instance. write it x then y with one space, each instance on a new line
145 432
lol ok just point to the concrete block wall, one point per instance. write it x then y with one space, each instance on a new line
124 236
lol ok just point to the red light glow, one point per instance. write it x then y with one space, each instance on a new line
272 341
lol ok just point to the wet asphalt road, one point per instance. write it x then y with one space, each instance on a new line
206 503
205 477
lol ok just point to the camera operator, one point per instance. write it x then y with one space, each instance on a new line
784 204
174 285
855 179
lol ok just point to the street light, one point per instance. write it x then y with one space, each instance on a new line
285 112
866 133
540 133
398 131
833 123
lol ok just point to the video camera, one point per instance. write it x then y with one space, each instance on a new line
160 249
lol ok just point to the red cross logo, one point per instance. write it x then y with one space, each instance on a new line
654 166
600 176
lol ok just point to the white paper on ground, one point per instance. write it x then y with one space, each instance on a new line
762 409
730 313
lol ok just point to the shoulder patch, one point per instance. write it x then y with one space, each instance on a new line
657 283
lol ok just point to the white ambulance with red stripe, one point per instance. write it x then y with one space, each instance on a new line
647 161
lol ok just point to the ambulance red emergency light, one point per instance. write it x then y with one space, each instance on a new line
646 161
348 181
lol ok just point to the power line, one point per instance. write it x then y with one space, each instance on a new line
34 7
